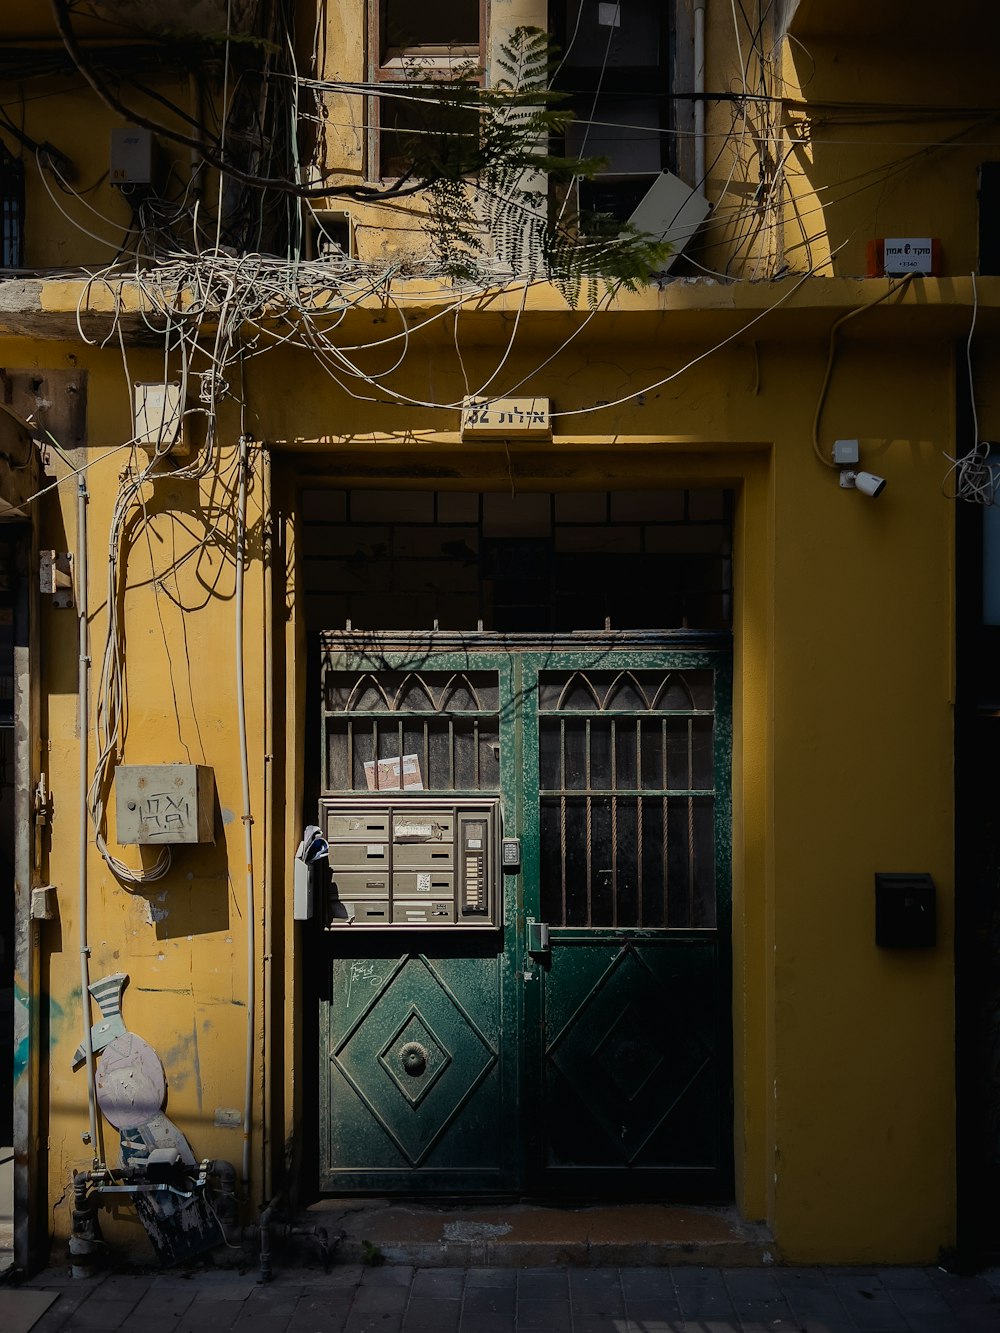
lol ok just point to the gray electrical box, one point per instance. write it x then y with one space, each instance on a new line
412 862
131 156
164 803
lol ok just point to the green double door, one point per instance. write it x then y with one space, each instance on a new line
583 1049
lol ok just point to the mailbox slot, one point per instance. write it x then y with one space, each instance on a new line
404 863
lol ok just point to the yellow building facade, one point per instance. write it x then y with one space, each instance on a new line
323 559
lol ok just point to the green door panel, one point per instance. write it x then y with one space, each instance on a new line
591 1058
631 1087
415 1074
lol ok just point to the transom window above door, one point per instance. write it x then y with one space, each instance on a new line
534 562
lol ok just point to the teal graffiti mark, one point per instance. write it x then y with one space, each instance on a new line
178 1059
22 1031
196 1061
22 1028
57 1017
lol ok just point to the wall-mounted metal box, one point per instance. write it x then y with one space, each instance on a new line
905 916
165 803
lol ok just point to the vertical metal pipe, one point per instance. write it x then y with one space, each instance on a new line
238 598
267 1041
698 87
83 690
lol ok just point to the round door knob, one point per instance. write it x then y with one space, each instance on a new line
414 1059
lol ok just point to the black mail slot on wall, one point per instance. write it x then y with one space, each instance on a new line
905 916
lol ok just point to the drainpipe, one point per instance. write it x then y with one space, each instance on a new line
83 689
267 1036
238 599
699 90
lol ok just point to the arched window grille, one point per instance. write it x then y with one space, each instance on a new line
11 210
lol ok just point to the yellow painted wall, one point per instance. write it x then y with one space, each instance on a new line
843 643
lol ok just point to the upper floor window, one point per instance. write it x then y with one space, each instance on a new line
11 210
614 67
415 45
440 30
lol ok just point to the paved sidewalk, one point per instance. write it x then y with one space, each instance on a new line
353 1299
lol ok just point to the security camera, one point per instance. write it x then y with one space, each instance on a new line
865 482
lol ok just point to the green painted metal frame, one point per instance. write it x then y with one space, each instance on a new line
541 1179
519 660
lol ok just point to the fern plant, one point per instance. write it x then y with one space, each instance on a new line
483 156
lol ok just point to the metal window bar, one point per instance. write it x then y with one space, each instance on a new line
589 833
413 731
619 795
11 210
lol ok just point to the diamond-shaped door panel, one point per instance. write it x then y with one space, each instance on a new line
415 1058
624 1061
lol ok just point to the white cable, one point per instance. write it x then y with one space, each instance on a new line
975 480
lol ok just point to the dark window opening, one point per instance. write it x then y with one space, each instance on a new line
614 71
11 210
443 27
418 46
417 126
551 563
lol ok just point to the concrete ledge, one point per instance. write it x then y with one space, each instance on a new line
533 1235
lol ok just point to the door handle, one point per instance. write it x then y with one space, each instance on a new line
537 938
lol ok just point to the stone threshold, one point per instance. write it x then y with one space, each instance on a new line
527 1235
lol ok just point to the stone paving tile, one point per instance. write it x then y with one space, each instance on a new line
102 1314
358 1321
539 1283
427 1314
976 1317
326 1298
766 1316
346 1275
491 1277
122 1286
272 1299
209 1315
545 1313
489 1300
487 1323
321 1315
648 1310
380 1300
165 1323
871 1308
820 1312
316 1323
647 1282
443 1282
654 1326
255 1321
596 1292
706 1301
959 1291
161 1301
386 1275
751 1284
894 1279
66 1304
